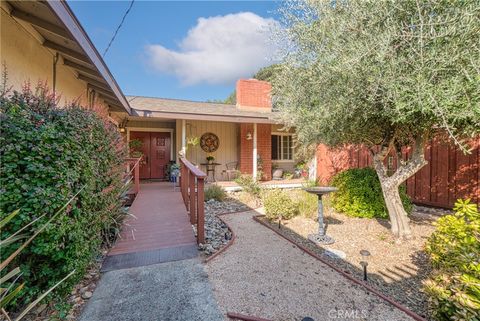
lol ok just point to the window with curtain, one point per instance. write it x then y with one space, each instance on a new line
282 147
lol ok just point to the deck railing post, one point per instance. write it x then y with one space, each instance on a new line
191 181
182 180
192 187
200 211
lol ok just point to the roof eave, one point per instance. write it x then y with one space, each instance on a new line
208 117
73 26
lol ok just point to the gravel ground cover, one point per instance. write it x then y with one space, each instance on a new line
396 269
266 276
217 234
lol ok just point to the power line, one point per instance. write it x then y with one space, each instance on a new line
118 28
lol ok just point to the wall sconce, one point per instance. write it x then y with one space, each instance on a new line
123 125
249 136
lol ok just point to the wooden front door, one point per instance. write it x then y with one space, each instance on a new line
156 151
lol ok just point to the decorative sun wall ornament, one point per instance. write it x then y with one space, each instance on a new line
209 142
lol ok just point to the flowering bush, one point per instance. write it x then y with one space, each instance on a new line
48 155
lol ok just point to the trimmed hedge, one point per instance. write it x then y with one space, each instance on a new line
360 194
454 249
48 154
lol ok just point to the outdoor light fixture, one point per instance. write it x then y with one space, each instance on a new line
123 125
365 256
249 136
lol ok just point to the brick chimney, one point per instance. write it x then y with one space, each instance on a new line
254 95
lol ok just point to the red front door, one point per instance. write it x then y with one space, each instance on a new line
156 151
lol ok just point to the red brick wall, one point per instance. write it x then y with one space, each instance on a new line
254 94
264 149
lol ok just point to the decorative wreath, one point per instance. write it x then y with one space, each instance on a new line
209 142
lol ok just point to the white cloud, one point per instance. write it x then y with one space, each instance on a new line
218 50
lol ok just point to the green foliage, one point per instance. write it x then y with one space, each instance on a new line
278 204
249 185
48 154
287 175
215 192
307 203
379 72
135 146
454 249
360 194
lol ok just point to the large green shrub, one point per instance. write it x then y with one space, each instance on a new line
278 204
48 154
360 194
454 249
215 192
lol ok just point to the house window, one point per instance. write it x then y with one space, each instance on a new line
282 147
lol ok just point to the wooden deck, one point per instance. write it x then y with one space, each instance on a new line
158 230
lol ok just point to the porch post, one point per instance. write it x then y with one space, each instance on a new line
184 138
254 172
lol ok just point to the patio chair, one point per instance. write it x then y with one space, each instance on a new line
232 170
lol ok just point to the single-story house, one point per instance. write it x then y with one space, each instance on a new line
244 136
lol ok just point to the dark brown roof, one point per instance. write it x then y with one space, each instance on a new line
186 109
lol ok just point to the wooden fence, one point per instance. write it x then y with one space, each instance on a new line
449 175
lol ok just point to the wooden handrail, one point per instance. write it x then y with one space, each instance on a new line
192 168
192 183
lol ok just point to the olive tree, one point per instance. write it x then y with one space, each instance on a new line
382 74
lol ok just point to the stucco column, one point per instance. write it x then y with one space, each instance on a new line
254 172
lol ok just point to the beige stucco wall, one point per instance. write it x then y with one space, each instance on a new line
27 60
227 133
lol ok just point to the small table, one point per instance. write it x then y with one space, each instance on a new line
210 168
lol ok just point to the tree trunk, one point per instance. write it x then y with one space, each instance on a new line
398 216
390 185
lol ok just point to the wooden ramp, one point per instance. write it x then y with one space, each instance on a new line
159 230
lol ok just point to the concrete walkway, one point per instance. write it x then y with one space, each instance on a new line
162 292
264 275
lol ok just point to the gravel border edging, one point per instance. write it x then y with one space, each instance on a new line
397 305
231 241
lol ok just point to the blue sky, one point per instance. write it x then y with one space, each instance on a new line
181 49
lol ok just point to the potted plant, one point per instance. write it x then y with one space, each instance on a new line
174 172
301 169
210 159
